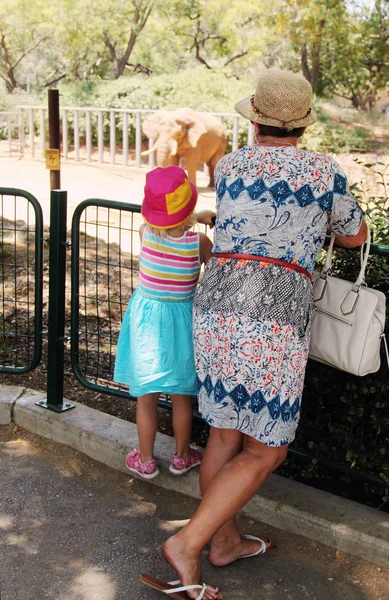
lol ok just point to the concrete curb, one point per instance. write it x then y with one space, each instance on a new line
282 503
8 396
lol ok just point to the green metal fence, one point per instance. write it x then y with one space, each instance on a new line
21 272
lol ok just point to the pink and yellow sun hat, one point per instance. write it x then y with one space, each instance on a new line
170 198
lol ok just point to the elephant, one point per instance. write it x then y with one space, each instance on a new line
199 137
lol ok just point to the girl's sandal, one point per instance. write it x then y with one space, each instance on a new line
171 589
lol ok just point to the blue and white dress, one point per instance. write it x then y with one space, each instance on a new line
251 318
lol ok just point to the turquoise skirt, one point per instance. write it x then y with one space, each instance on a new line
155 347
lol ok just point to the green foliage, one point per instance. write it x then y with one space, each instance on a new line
204 90
199 89
339 46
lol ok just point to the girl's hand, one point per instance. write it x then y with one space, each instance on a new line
204 217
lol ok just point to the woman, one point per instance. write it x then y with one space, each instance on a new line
275 204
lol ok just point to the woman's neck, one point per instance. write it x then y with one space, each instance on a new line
270 140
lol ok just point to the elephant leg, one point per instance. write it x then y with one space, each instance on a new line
191 160
212 165
211 170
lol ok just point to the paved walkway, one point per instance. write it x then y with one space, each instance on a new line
72 529
82 181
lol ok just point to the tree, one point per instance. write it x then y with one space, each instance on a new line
361 65
23 28
124 22
310 25
219 34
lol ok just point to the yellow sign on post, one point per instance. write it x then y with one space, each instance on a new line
52 160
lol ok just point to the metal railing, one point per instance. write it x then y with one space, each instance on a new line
21 251
105 242
103 135
12 127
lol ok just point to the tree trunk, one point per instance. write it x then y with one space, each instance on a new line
311 72
304 63
141 16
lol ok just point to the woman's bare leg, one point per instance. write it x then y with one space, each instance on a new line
182 423
234 485
227 545
222 446
146 421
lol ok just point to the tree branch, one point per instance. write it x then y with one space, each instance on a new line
53 81
28 52
236 56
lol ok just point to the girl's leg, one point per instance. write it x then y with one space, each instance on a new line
182 423
146 421
234 485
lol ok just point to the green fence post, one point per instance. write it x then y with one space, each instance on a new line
57 285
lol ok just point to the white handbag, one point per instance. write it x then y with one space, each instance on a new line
348 320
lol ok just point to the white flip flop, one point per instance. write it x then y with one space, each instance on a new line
186 588
260 550
168 587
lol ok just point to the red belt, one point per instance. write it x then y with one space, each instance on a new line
266 259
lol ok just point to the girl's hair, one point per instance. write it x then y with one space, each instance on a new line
189 223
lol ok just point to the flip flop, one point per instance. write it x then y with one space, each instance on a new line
171 589
263 548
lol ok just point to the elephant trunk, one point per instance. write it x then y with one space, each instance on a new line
164 153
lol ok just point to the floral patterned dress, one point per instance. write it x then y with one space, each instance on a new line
251 318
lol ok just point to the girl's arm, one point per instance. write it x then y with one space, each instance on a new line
205 248
141 230
204 217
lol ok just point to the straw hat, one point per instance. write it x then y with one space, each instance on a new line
282 99
170 198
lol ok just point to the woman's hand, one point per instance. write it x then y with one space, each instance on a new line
204 217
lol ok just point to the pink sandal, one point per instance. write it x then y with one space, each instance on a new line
147 470
180 466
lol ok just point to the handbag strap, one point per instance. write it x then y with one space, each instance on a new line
386 347
365 251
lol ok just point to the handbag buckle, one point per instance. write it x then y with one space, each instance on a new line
319 286
349 303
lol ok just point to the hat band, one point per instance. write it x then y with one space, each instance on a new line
284 123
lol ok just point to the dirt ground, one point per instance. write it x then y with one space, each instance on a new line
73 529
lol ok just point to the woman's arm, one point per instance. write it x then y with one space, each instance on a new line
354 240
205 248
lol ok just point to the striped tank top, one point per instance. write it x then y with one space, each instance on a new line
169 267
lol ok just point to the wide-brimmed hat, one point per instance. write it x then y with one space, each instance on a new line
282 99
170 198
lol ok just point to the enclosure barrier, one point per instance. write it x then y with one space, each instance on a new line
85 129
21 249
104 274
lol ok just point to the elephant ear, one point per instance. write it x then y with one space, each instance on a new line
151 125
195 129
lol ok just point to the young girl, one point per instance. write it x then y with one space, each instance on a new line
155 348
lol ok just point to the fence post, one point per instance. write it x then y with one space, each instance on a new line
54 137
125 139
57 284
138 140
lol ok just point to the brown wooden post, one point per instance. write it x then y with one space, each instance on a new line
54 137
